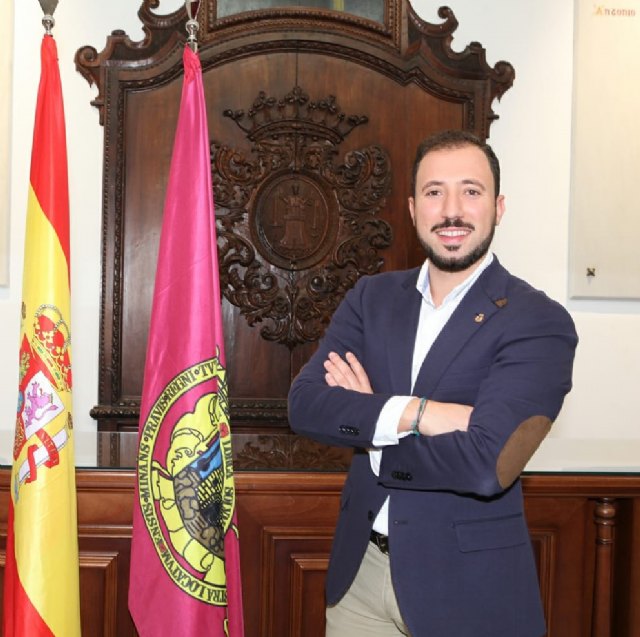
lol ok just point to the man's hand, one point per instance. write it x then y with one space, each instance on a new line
347 373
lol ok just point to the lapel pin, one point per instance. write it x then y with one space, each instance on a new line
479 317
501 302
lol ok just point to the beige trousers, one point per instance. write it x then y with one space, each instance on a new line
369 608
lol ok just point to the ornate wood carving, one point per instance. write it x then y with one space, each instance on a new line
387 31
296 227
291 154
283 451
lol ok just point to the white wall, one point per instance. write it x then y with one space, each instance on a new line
6 66
532 139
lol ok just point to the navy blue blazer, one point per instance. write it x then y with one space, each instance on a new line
461 558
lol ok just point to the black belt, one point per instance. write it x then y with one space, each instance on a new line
381 541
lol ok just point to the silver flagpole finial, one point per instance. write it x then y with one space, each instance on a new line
192 25
48 8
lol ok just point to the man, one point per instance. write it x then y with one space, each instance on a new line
444 379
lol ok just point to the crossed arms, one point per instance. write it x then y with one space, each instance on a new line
436 418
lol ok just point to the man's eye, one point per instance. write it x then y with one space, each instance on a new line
473 192
432 193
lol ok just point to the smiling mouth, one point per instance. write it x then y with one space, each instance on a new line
453 232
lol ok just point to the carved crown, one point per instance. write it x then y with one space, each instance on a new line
295 114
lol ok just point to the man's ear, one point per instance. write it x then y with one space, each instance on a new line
500 208
412 210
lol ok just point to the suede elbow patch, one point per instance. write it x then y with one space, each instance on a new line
519 448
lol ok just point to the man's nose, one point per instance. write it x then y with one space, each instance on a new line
451 207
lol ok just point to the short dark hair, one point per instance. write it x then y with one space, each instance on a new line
449 139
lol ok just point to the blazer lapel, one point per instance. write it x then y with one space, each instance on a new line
486 297
404 325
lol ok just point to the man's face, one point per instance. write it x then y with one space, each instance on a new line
454 208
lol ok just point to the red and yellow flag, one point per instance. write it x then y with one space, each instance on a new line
41 592
185 564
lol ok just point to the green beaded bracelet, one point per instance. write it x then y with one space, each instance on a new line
415 425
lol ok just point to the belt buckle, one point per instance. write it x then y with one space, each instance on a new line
381 541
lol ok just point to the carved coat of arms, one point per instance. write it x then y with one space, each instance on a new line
297 224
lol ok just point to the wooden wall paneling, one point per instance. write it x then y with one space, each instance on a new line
282 516
626 586
307 587
580 588
286 522
105 510
283 592
99 600
562 541
632 584
104 542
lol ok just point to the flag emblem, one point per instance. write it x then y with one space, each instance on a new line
185 479
45 375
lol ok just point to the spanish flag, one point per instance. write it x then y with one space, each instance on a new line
41 592
185 562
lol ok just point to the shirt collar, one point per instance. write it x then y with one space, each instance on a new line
423 285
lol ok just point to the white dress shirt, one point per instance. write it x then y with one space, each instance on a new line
432 320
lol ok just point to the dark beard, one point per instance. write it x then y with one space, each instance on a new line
455 264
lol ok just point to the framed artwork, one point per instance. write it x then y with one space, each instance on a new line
369 9
605 215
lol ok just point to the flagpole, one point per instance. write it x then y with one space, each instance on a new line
192 25
48 8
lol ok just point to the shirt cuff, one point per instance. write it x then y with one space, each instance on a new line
386 431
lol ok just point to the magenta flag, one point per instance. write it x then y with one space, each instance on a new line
185 562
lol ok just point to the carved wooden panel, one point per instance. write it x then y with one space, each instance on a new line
99 575
287 595
105 507
307 586
288 516
561 533
626 585
298 224
544 551
314 116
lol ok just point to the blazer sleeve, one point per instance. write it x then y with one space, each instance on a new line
333 415
517 400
